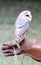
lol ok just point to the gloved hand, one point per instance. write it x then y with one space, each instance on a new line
8 49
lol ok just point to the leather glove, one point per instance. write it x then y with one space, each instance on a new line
8 49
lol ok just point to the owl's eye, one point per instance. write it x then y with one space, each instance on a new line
27 15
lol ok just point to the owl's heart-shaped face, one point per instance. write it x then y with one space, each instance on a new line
26 15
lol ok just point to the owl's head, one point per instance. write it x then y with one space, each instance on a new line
26 15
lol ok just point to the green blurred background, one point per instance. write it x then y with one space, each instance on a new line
9 10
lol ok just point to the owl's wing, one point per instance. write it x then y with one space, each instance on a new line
20 22
20 32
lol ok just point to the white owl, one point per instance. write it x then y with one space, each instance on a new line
22 26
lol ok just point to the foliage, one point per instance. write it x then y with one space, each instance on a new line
8 15
17 0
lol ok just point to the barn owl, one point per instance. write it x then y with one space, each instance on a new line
22 25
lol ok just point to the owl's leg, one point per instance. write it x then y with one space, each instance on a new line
18 51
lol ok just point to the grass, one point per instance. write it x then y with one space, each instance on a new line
8 15
6 34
